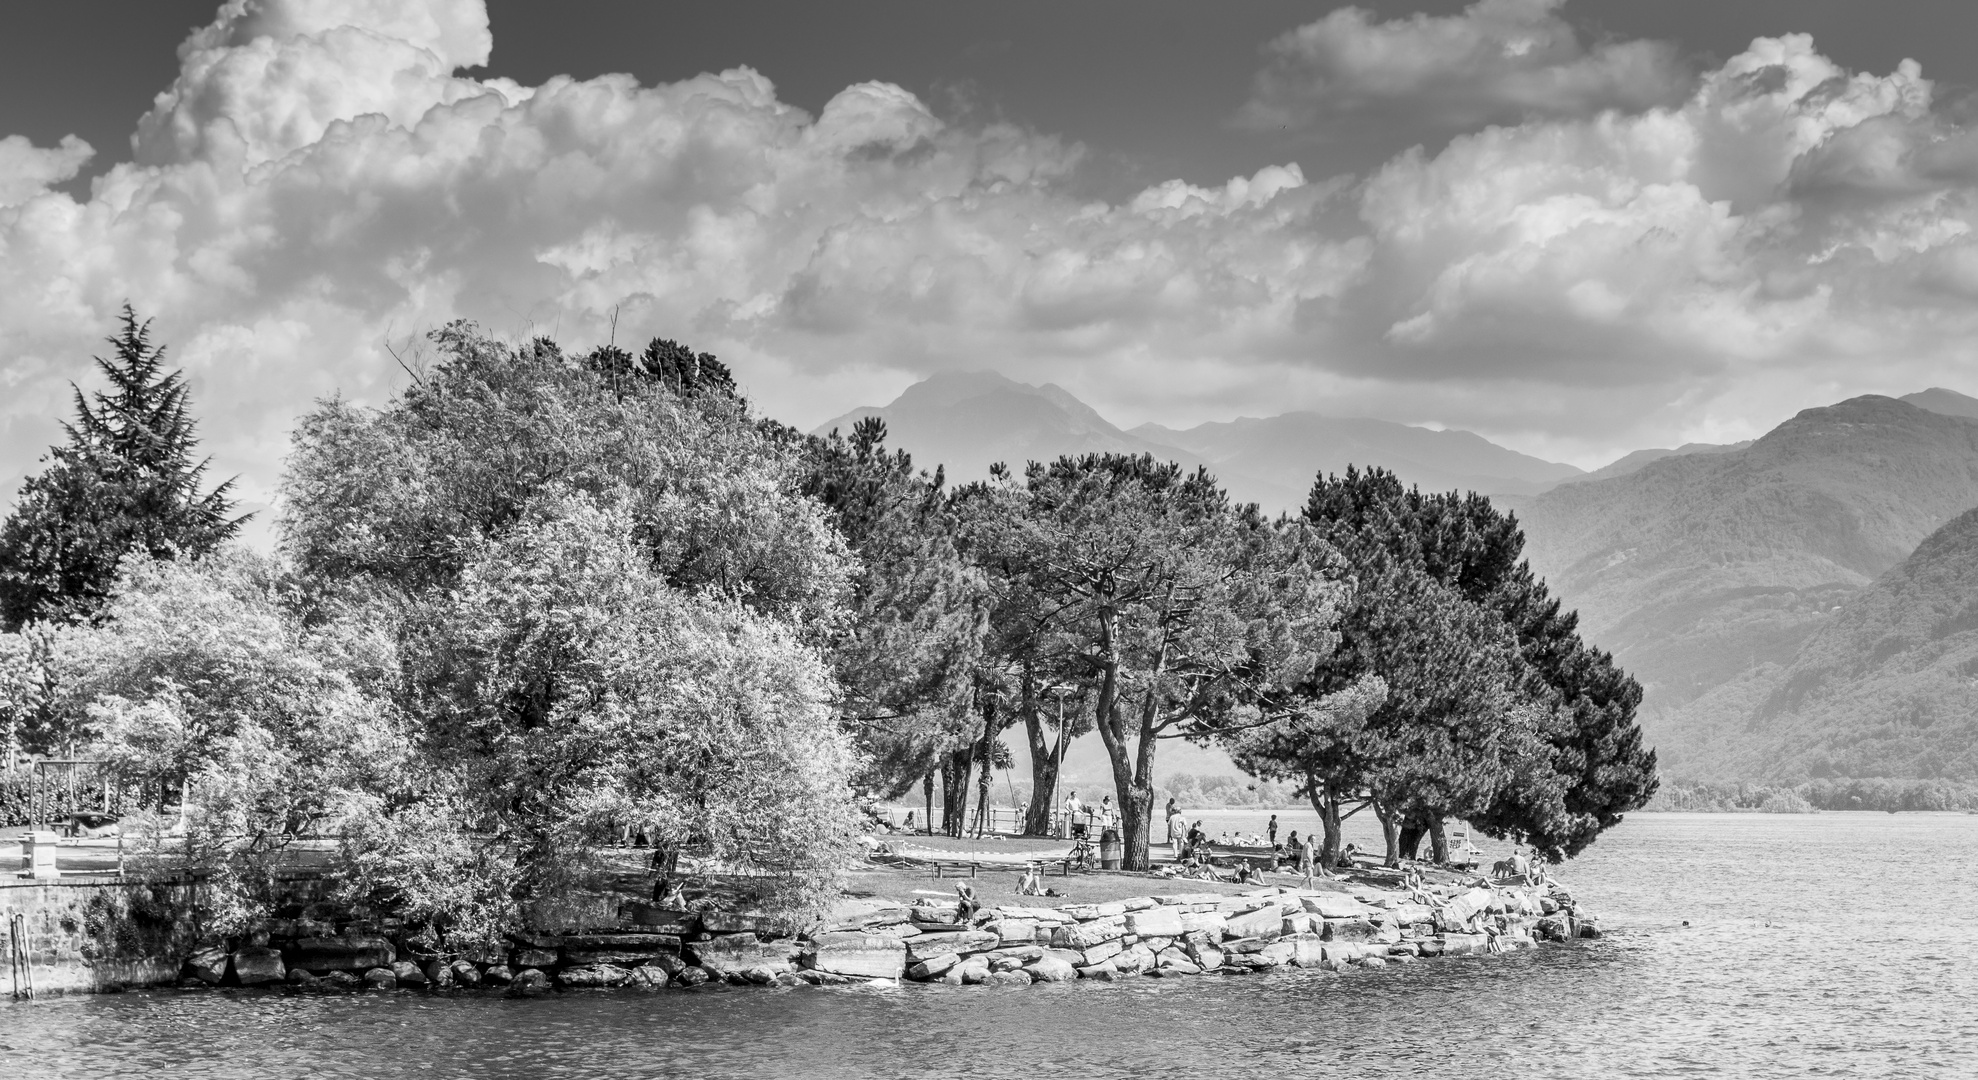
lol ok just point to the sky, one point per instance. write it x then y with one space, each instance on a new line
1577 227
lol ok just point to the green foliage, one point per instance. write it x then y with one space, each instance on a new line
608 592
918 612
1178 614
125 484
200 679
386 499
1490 707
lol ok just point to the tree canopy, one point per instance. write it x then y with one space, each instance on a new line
127 482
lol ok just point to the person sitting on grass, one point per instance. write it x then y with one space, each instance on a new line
1033 881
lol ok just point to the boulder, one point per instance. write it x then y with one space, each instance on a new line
1156 944
535 958
933 967
466 974
498 975
258 966
1102 971
1305 950
1049 968
859 914
1179 964
1350 930
1346 952
1371 962
592 976
1155 922
959 941
1009 977
1049 916
860 954
529 982
1100 953
1548 906
681 924
692 975
1134 960
1465 944
439 974
1431 946
1207 959
1550 928
973 971
1333 906
623 949
732 954
1261 923
408 974
728 922
342 980
208 964
381 978
1589 927
1205 922
1300 923
1022 954
1455 916
820 978
1087 934
299 977
1013 931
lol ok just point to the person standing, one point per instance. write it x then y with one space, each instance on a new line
1305 859
1271 830
1177 828
1073 808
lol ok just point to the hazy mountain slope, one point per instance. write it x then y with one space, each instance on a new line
1695 569
1291 449
968 421
1887 687
1939 400
1634 462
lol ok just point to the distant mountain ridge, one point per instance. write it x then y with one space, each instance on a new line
1290 449
1695 569
970 420
1888 686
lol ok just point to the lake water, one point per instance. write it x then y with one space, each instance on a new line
1738 945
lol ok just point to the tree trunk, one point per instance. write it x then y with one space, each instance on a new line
1326 802
954 790
1411 838
986 754
1390 827
1043 773
927 812
1438 842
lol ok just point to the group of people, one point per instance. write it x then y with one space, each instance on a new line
1080 818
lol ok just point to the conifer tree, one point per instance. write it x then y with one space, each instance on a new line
125 483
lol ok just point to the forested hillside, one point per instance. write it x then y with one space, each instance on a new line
1700 568
1887 687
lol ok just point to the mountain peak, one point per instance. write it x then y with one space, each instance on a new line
1948 402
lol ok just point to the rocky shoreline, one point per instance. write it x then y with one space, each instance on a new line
868 941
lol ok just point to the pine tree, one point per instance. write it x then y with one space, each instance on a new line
125 483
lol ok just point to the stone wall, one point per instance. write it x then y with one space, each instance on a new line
86 938
96 937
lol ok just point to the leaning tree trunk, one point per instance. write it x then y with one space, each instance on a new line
954 790
1390 827
1326 802
1043 775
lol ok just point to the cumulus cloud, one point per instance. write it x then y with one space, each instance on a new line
27 170
321 176
1498 61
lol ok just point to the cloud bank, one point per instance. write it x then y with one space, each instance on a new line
1500 61
320 177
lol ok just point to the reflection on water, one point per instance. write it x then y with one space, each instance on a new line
1840 944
